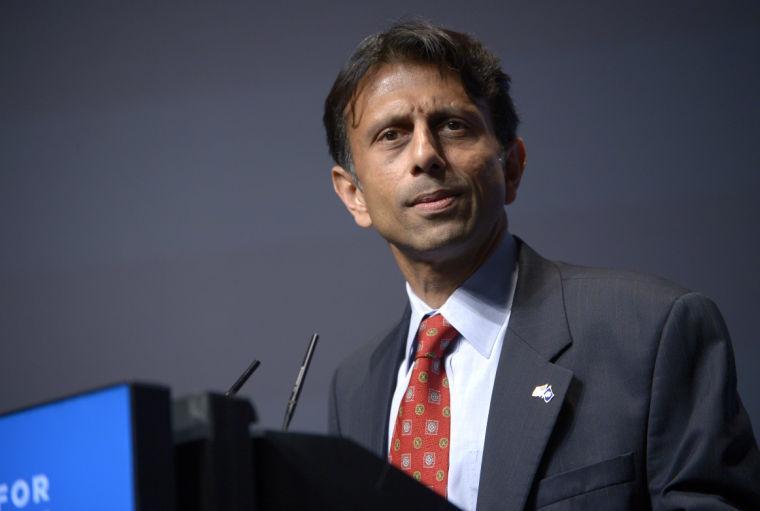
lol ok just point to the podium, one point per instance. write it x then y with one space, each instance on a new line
129 447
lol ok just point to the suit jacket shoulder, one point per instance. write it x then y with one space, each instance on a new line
617 311
599 284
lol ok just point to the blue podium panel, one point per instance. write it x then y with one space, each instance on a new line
75 454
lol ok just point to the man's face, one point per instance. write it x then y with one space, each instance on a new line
430 177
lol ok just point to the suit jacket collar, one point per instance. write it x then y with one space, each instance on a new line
538 308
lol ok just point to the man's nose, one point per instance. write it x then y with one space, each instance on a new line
427 154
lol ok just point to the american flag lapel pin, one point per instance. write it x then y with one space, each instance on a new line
544 392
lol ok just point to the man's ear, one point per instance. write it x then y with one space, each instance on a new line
349 192
514 166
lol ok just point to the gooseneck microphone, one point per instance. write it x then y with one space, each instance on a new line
299 382
242 379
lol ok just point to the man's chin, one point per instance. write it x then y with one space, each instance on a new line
435 247
448 241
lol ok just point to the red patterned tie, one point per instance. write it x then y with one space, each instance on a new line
420 443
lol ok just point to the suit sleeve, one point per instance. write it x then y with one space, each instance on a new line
701 452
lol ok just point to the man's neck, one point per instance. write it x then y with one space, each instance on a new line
433 281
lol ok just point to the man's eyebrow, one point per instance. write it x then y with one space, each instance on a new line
444 112
393 119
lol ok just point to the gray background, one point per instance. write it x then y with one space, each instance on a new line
166 212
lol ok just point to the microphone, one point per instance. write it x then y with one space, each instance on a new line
242 379
299 382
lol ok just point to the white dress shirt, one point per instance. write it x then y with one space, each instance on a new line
479 309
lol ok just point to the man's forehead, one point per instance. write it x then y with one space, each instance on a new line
404 88
388 77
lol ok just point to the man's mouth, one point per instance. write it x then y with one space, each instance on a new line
435 201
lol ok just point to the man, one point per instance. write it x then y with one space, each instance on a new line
511 381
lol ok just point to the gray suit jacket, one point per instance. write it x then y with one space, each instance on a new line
645 411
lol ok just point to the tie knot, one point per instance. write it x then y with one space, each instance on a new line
435 335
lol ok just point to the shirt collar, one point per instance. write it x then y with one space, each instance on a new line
479 307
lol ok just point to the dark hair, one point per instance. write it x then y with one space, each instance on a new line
421 42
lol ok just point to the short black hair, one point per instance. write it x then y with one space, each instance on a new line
421 42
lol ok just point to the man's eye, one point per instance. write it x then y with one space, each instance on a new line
389 135
454 125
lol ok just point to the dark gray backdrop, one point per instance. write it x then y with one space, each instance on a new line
166 212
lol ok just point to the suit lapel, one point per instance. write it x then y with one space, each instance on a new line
381 382
519 424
